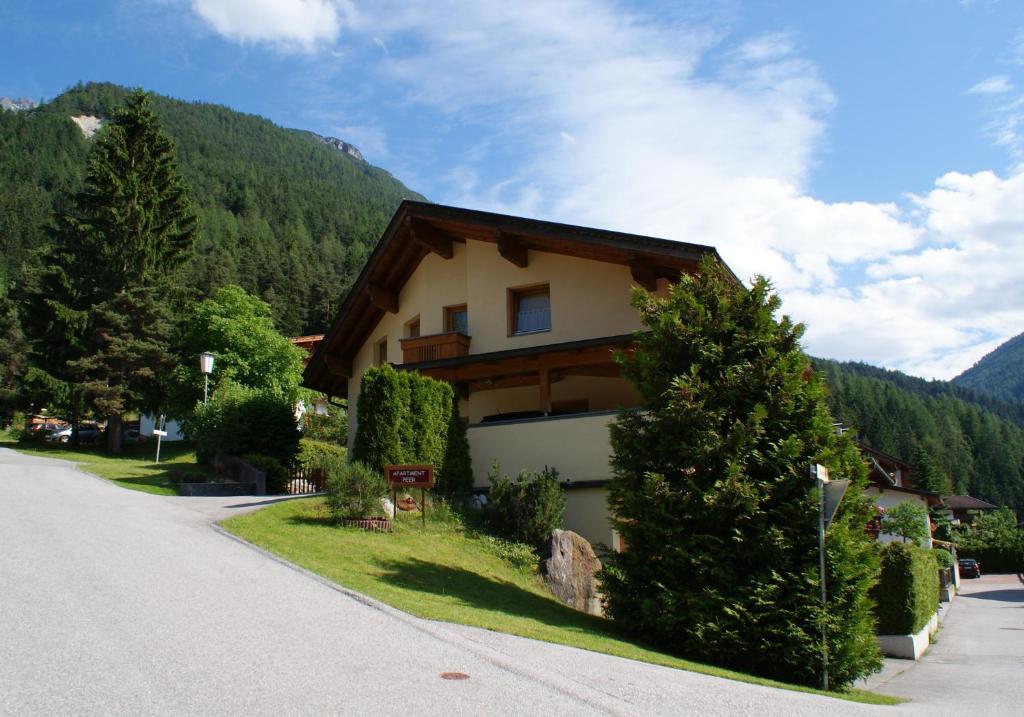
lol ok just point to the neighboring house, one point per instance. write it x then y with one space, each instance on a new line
523 318
889 485
318 406
962 509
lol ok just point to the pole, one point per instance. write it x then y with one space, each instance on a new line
159 423
206 386
821 565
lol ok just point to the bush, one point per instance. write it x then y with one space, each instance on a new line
403 417
239 420
276 474
17 428
527 509
943 557
354 491
907 593
314 454
330 428
456 476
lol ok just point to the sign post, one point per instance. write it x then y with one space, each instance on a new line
830 493
159 433
410 476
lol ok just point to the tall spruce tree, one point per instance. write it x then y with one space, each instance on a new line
712 496
101 330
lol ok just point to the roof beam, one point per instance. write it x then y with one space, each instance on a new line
643 272
512 249
383 297
337 366
429 237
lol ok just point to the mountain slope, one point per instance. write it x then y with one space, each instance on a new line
287 214
981 452
999 374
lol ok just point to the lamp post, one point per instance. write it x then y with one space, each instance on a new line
206 367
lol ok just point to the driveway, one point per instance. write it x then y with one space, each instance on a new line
119 602
976 666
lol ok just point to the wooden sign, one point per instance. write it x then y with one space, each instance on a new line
409 476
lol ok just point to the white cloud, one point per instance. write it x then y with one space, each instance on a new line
681 131
998 84
288 24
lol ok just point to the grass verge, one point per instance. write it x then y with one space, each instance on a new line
134 468
441 572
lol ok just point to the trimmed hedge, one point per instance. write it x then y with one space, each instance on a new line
907 593
404 417
1005 559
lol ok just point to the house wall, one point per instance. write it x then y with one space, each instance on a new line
889 498
586 513
576 445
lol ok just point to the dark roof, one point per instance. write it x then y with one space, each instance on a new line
418 227
966 502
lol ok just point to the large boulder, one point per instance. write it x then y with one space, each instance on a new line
570 571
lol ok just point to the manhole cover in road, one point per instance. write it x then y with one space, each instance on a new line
454 676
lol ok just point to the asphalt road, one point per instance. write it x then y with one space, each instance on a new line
119 602
976 666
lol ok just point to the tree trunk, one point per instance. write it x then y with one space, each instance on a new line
114 433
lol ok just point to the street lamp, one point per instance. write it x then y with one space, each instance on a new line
206 367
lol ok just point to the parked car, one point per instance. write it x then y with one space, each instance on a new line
87 433
970 568
43 430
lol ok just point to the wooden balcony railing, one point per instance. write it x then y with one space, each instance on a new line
432 348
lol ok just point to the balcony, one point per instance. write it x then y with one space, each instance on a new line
434 347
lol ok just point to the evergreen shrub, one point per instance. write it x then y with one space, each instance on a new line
354 491
711 494
907 593
403 418
239 420
943 557
456 475
526 509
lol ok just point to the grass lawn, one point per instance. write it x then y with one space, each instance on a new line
134 468
443 573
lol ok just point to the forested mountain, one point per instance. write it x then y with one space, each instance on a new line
935 426
283 213
999 374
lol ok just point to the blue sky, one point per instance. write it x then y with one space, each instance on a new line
865 156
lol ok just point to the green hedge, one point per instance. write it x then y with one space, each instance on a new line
1004 559
907 593
239 420
404 417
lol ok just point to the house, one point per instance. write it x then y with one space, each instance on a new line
889 485
962 509
523 318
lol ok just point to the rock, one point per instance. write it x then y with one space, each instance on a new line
570 571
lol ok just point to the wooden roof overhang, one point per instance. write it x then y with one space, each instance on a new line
522 366
419 228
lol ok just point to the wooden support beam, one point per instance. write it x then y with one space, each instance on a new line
431 238
337 366
545 390
383 297
643 273
513 249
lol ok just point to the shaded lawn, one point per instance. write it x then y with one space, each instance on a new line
443 573
133 469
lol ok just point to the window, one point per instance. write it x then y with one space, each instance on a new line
412 329
530 310
456 319
381 350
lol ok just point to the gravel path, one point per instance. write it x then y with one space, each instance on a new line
119 602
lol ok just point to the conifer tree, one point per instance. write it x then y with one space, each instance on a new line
111 266
712 496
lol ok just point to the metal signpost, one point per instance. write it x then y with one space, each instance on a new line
830 493
159 433
410 476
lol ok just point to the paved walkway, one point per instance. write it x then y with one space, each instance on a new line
118 602
976 665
